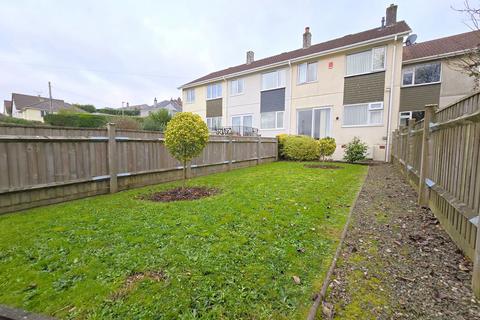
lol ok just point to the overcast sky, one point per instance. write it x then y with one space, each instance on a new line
106 52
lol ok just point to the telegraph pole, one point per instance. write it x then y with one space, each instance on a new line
50 94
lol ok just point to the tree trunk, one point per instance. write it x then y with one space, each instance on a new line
184 174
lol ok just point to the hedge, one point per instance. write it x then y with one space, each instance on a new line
300 148
79 120
119 112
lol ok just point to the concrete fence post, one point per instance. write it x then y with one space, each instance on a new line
476 264
230 152
259 146
408 146
425 161
112 157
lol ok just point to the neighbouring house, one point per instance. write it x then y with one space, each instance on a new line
341 88
172 106
34 107
430 74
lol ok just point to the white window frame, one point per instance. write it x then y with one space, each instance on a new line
370 109
307 64
276 120
313 119
411 69
211 119
234 85
218 94
372 70
241 116
190 95
278 75
404 115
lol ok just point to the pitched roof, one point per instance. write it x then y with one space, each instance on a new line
23 101
348 40
160 105
446 45
7 106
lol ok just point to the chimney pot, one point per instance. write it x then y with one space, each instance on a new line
250 57
391 15
307 38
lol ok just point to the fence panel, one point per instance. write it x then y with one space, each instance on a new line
441 157
44 165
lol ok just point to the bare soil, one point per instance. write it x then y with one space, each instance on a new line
397 262
177 194
136 277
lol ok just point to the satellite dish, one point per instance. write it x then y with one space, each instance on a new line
411 39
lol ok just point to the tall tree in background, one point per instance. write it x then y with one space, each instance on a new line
469 63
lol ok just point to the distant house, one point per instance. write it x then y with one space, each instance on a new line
34 107
430 74
172 106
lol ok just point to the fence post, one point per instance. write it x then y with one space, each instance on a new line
394 153
230 152
259 144
112 157
476 265
408 146
423 195
276 148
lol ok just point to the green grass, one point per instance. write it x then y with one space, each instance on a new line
225 257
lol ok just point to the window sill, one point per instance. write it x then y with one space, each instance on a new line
272 129
362 125
420 85
308 82
270 89
237 94
208 99
364 73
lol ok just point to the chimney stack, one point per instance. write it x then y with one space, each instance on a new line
307 38
250 57
391 16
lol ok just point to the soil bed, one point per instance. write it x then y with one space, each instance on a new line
322 166
397 262
177 194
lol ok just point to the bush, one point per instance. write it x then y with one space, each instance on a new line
326 147
157 121
12 120
355 151
126 123
281 142
185 138
79 120
300 148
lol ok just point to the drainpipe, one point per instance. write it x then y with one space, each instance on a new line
390 102
289 129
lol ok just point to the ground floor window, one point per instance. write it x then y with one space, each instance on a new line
363 114
271 120
314 122
407 115
242 124
214 123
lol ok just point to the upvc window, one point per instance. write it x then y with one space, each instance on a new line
367 61
214 91
214 123
314 122
271 120
364 114
236 86
307 72
190 95
421 74
273 80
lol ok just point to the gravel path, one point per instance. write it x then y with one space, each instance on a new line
397 262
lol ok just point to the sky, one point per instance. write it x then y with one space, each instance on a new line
105 52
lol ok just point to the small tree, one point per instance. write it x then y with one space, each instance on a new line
157 121
185 137
355 151
326 147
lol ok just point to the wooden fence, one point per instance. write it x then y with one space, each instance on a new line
45 165
440 156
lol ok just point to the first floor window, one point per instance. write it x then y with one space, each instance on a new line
366 61
214 91
363 114
190 95
421 74
307 72
236 87
214 123
405 116
273 80
271 120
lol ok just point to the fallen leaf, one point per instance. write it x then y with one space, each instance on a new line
296 279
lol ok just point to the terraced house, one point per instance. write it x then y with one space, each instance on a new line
432 73
341 88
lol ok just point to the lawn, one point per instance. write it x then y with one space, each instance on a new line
229 256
